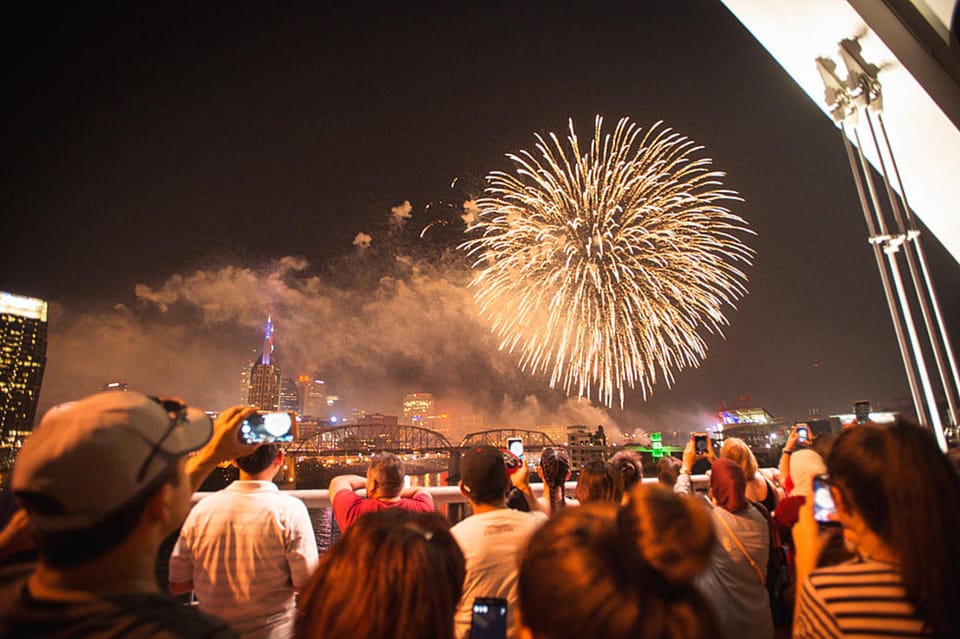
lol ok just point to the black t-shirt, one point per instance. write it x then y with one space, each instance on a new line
135 616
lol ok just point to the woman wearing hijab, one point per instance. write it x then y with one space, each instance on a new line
735 581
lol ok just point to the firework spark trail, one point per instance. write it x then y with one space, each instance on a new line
601 267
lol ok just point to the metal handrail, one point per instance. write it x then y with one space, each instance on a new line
320 498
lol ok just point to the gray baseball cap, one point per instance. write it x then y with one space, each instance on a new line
88 458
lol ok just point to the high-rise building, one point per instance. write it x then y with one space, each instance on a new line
245 371
265 387
23 356
265 377
289 395
417 407
313 393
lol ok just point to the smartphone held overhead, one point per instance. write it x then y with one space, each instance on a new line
267 428
700 444
515 446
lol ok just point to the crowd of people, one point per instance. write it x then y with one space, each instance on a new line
105 481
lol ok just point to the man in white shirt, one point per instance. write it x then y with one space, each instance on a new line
494 535
246 550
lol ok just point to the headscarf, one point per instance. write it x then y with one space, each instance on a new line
805 464
728 485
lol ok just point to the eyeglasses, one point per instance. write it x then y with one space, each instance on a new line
177 412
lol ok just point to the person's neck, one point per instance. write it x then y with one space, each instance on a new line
870 546
266 475
120 571
480 508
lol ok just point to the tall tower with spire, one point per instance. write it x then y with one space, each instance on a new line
265 376
267 342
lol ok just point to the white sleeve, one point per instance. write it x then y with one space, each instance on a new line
301 545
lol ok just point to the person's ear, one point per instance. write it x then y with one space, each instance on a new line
463 490
160 505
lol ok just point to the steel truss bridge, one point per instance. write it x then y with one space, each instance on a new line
532 439
355 439
367 439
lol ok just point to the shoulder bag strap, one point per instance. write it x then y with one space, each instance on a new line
737 541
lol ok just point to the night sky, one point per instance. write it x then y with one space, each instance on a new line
173 173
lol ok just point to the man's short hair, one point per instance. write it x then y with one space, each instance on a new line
259 460
387 470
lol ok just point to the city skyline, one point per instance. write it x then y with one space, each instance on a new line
168 192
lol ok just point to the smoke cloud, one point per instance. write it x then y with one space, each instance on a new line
373 328
401 213
362 241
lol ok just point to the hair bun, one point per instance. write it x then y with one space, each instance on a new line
673 534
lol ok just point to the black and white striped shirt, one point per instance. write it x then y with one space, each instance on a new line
860 598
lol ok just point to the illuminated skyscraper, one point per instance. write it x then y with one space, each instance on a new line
417 407
265 377
313 392
245 372
289 396
23 355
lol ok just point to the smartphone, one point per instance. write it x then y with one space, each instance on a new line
803 435
700 444
824 510
489 620
267 428
515 446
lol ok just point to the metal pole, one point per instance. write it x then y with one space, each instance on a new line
952 390
892 247
884 276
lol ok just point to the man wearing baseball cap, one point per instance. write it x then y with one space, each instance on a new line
493 535
104 480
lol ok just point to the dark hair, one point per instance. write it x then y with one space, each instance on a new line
387 469
395 573
554 468
907 493
259 460
668 470
599 481
619 573
630 465
63 549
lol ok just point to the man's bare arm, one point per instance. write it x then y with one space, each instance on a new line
345 482
223 446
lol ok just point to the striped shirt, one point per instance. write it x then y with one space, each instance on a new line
859 598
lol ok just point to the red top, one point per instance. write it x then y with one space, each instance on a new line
348 506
